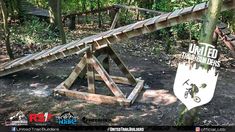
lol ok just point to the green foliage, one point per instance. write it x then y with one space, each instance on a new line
33 31
39 3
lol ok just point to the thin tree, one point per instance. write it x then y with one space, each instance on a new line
99 14
206 36
5 14
56 19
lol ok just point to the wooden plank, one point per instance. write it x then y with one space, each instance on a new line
101 99
132 26
117 30
119 80
106 78
121 65
18 62
200 7
75 73
163 17
187 10
222 25
230 37
35 55
134 94
4 65
55 49
140 24
45 54
175 14
152 21
225 31
64 47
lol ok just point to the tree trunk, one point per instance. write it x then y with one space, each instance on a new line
56 20
6 29
206 36
210 21
99 14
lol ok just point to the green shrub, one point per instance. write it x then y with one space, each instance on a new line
33 31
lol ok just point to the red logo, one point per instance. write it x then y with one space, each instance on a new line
40 118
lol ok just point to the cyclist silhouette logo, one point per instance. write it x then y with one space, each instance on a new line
194 86
193 89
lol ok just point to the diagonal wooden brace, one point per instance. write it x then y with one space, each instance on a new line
75 73
106 78
121 65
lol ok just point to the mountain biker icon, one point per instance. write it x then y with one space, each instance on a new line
194 86
193 90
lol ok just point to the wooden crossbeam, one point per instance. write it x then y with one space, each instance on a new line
102 99
75 73
116 79
121 65
107 79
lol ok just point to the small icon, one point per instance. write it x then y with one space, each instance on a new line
197 129
18 119
13 129
67 118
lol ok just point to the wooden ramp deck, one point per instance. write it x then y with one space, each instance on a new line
103 39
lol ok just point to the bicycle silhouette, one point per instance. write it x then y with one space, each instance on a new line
193 90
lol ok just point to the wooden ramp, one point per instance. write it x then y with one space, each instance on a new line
30 9
226 36
103 39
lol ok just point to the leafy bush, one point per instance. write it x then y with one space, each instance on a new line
33 31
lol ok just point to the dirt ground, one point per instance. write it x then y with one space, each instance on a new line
31 92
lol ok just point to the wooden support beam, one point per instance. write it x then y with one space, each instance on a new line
107 79
101 99
116 79
121 65
90 72
136 91
75 73
116 17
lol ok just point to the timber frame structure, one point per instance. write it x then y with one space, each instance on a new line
93 46
92 65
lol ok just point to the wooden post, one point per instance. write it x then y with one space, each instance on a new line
114 23
90 72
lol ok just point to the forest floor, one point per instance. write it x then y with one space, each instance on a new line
30 90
